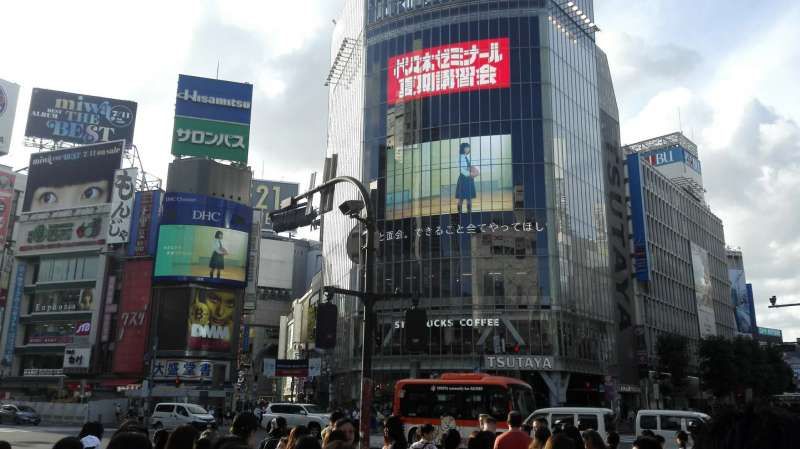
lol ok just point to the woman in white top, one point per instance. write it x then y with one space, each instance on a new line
465 188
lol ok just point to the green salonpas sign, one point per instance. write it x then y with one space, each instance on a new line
210 138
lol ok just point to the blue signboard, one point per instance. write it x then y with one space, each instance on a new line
641 256
16 299
665 156
144 224
201 210
211 99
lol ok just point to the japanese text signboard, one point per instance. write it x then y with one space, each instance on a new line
212 118
80 119
144 224
446 69
9 93
202 370
119 223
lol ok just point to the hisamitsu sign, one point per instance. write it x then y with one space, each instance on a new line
451 68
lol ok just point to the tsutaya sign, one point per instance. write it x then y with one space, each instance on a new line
519 362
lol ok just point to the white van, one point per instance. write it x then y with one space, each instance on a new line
584 418
667 423
169 415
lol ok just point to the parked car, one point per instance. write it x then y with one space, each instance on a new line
584 418
19 414
312 416
667 423
169 415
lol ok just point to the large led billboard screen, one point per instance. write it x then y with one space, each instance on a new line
204 239
72 178
80 119
459 67
211 317
449 176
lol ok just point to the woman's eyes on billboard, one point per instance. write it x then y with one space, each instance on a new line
75 195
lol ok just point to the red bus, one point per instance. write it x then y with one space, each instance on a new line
455 400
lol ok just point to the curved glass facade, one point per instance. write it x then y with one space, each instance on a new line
481 128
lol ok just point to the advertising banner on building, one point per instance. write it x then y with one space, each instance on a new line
144 224
203 238
76 359
55 235
740 301
285 368
62 300
212 118
9 93
460 67
641 255
752 305
133 317
702 290
7 179
80 119
119 222
666 156
449 176
72 178
13 318
58 332
267 195
171 369
211 320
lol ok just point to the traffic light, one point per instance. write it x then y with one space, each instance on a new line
416 331
291 218
327 315
177 382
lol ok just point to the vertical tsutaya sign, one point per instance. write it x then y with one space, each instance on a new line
212 118
8 108
16 299
72 178
80 119
119 222
7 179
641 255
702 291
144 225
451 68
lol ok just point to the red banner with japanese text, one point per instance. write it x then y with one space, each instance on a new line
451 68
133 317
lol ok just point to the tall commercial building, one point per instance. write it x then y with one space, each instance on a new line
682 285
477 123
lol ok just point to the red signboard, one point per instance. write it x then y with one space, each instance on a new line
133 317
459 67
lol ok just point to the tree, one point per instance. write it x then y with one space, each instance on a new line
717 366
673 357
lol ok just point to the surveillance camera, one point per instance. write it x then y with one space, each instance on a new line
773 300
352 208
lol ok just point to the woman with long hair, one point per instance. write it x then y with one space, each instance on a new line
465 187
295 435
393 435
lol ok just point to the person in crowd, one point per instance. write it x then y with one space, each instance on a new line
451 439
245 425
540 437
393 434
183 437
350 429
661 440
560 441
592 440
487 423
540 423
277 431
295 434
612 440
335 416
682 439
427 432
645 442
573 432
210 433
514 438
480 440
130 440
333 436
160 439
229 442
5 444
131 425
64 443
648 433
203 443
307 442
90 435
118 412
338 444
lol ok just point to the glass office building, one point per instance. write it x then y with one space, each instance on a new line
477 124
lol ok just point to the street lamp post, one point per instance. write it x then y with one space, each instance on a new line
368 295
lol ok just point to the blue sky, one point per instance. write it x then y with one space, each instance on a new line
730 67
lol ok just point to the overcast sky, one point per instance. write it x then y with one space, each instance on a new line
728 68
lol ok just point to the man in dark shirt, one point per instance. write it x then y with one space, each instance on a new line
514 438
